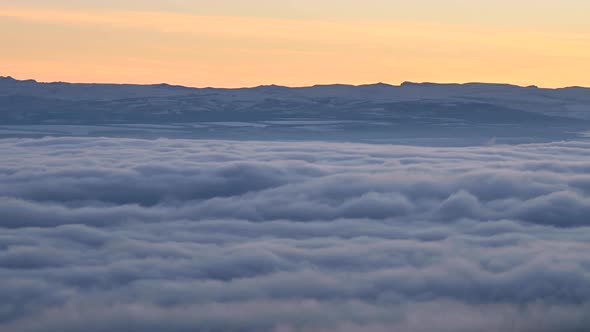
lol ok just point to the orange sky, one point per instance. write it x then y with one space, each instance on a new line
216 48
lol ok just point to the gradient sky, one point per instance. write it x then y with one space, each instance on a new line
252 42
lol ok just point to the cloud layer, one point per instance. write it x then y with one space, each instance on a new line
180 235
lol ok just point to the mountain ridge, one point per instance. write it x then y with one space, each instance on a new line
467 113
377 84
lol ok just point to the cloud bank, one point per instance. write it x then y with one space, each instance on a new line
181 235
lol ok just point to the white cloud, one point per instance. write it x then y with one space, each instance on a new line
180 235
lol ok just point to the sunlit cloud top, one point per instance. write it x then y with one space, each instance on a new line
245 43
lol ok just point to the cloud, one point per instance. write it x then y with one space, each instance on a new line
180 235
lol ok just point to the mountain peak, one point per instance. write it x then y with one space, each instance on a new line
378 85
271 88
422 84
7 78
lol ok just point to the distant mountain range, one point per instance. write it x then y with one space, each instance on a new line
342 112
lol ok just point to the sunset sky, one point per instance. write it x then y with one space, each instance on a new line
236 43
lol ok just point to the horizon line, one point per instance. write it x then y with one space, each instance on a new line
382 83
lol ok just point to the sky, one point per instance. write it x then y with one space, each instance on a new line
236 43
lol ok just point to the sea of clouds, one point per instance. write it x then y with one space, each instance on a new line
109 234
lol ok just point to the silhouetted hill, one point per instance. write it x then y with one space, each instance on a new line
344 112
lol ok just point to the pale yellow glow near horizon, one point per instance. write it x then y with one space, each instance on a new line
124 46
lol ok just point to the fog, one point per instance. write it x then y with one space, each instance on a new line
174 235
